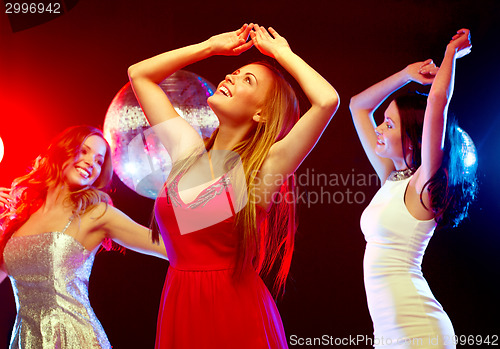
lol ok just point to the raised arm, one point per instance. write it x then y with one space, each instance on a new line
287 154
146 75
364 104
434 128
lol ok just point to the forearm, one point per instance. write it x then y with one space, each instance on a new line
371 98
123 230
436 114
442 87
318 91
159 67
145 77
149 248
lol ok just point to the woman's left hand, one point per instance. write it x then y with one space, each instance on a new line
231 43
461 43
268 42
5 199
422 72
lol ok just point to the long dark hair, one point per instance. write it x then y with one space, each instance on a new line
454 185
30 191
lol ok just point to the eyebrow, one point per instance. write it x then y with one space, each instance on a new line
86 146
257 81
238 71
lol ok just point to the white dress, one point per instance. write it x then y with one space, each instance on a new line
403 309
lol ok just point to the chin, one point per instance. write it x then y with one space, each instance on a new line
212 105
212 100
77 186
78 183
208 100
383 155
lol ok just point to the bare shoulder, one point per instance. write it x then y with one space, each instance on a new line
99 215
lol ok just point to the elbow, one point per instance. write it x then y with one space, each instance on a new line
354 103
331 103
358 107
132 72
353 107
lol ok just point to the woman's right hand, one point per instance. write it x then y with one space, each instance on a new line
422 72
461 43
5 199
268 42
231 43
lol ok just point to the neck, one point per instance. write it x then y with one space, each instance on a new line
401 164
56 196
228 136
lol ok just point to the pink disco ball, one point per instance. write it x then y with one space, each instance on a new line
139 158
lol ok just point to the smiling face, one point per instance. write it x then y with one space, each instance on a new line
85 168
389 135
240 97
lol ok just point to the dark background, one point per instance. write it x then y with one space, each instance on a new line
66 72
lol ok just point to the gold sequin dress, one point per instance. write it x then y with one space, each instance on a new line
50 276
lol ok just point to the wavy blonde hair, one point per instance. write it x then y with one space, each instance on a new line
29 192
265 242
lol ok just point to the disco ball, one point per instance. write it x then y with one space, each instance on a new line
139 159
1 149
468 152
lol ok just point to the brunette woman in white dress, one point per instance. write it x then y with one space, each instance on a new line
426 165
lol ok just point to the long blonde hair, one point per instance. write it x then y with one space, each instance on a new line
263 242
29 192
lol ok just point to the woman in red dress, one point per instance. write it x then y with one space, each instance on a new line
226 213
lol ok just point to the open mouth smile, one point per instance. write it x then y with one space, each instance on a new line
85 173
225 91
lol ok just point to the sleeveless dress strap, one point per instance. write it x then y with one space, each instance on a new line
225 183
67 225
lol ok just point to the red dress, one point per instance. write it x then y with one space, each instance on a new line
203 305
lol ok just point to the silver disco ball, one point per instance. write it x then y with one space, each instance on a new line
139 158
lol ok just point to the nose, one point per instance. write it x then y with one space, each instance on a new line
230 79
89 160
378 130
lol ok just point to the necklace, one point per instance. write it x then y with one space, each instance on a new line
399 175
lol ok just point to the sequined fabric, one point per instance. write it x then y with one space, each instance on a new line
205 196
50 275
